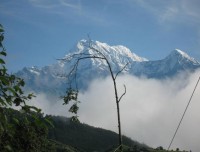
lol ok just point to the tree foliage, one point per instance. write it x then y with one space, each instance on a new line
26 133
86 138
72 96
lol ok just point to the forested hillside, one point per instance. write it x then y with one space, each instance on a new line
86 138
67 136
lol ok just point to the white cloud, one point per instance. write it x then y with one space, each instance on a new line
67 3
168 14
50 4
50 104
173 11
191 8
150 111
75 10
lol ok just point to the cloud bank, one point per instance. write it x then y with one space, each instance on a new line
150 110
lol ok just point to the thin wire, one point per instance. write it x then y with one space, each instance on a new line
118 148
183 114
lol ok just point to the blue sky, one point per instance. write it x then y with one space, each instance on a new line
37 32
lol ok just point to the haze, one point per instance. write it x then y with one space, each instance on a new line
150 110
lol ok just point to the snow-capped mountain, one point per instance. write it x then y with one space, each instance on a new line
118 56
175 62
53 78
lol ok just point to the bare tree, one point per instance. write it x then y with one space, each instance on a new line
72 93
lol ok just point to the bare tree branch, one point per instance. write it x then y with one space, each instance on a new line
96 54
121 70
122 94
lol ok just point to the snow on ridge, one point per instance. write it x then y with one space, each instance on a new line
35 72
118 54
126 51
34 69
184 55
121 50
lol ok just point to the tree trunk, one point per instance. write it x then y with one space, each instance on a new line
119 127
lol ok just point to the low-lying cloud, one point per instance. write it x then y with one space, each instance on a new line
150 110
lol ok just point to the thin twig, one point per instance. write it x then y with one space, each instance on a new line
121 70
123 93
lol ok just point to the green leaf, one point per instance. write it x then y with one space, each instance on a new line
1 28
71 95
28 108
2 102
49 122
4 80
16 88
17 101
16 120
1 37
12 90
74 119
3 53
22 83
12 78
2 61
8 148
29 96
25 109
8 100
3 71
35 108
74 108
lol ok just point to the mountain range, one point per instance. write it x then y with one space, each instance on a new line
53 78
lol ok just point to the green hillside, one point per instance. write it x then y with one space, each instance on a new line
86 138
67 136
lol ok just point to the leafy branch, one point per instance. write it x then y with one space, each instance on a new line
29 124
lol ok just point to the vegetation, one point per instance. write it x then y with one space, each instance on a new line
18 133
65 136
84 137
77 137
72 93
24 133
29 136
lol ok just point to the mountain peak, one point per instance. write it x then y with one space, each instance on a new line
180 55
116 51
179 52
